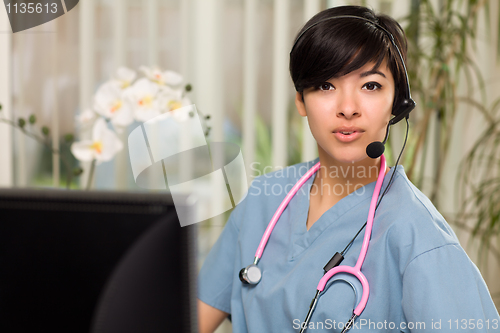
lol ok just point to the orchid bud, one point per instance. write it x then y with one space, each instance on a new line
69 137
45 130
77 171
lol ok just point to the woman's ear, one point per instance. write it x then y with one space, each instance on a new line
299 103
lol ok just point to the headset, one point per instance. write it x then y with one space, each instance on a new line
404 107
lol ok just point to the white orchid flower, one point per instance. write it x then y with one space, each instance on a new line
162 78
110 103
125 77
143 97
103 146
171 100
86 117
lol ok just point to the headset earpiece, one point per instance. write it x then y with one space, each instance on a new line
403 110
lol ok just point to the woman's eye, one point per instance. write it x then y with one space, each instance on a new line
372 86
325 86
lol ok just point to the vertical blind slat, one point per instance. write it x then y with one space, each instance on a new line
249 85
120 9
185 53
20 151
120 33
55 106
152 26
281 85
208 79
87 60
186 26
87 47
6 151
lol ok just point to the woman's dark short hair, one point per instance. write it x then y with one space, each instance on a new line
335 47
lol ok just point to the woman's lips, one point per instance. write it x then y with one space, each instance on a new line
347 134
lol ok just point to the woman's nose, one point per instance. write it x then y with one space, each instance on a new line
348 107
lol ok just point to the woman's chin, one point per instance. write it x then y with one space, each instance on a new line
348 157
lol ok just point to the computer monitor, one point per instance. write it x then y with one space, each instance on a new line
99 262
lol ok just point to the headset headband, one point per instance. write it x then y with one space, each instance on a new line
391 38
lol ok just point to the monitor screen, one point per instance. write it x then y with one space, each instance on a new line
73 261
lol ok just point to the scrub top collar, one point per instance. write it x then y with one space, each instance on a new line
303 238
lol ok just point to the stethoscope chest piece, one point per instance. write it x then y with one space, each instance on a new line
250 274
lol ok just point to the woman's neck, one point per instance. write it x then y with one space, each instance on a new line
336 180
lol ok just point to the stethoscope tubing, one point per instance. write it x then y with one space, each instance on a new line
356 270
281 208
252 275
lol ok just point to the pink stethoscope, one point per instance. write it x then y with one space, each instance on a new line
252 274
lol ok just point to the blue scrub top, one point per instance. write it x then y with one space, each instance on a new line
420 278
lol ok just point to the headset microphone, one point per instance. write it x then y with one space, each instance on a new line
377 148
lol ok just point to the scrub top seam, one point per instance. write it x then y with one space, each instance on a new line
416 196
427 251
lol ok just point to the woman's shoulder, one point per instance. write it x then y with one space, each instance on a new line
267 190
411 220
272 187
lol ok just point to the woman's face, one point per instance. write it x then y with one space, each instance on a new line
348 113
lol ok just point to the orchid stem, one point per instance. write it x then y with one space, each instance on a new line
91 174
44 142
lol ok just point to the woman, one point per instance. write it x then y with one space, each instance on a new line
350 81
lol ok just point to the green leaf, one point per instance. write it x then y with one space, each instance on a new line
188 87
32 119
21 122
0 107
